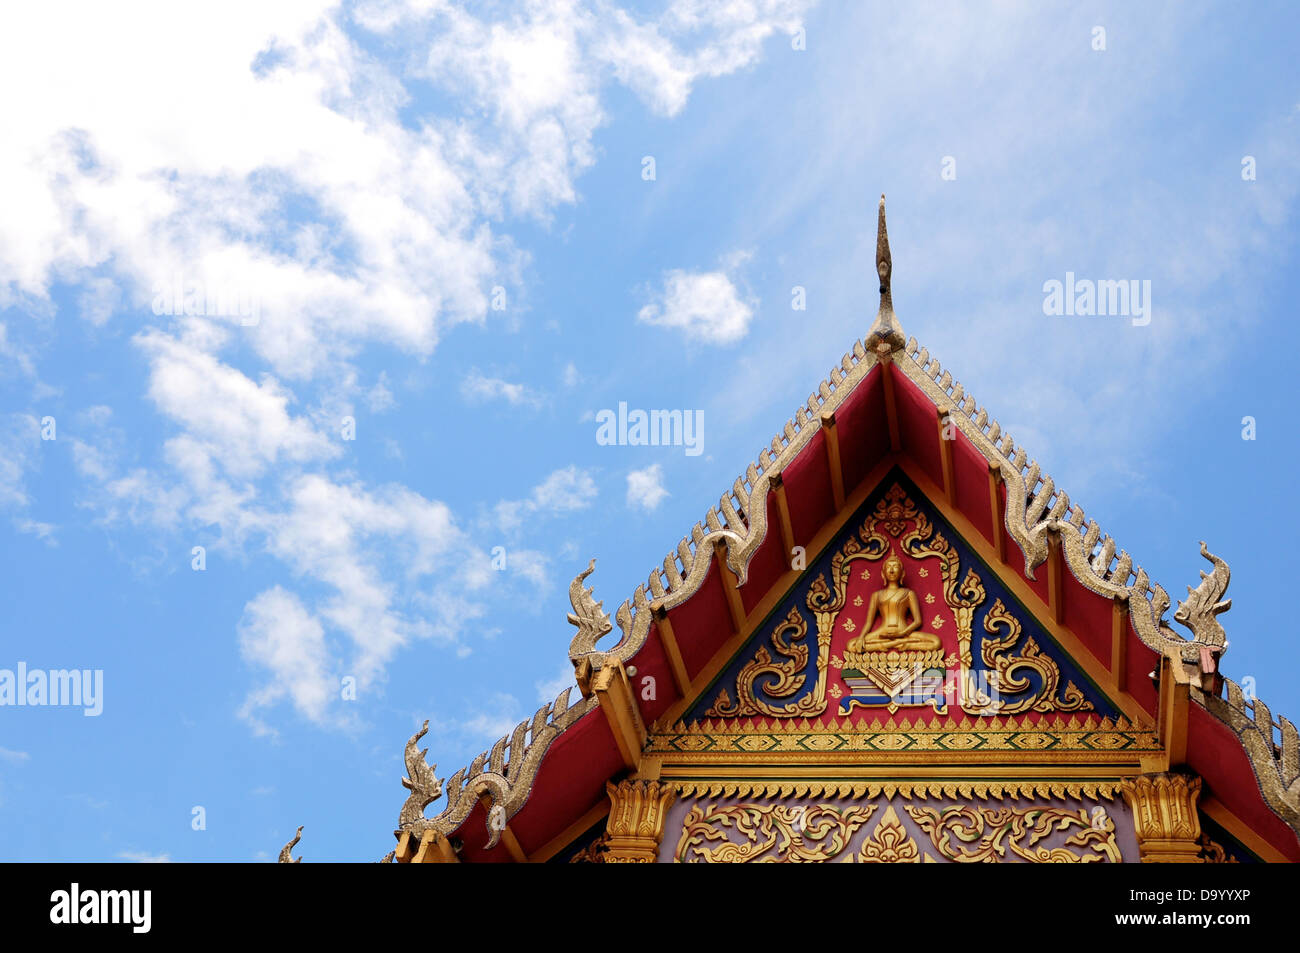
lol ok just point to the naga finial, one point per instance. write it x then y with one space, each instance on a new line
1205 602
886 334
588 615
423 784
285 856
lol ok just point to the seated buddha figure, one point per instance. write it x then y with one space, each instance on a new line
892 606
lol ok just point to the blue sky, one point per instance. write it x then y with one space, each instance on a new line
367 174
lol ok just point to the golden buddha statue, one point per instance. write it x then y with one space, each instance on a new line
892 605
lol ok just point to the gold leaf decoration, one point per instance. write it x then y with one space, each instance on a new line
968 834
782 679
772 833
889 843
1012 671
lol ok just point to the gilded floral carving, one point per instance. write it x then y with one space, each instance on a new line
782 679
780 832
772 833
973 834
1012 670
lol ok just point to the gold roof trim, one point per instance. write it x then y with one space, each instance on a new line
1032 789
849 725
852 744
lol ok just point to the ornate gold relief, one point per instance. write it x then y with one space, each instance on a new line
774 833
892 605
980 790
963 833
636 820
896 665
890 843
1165 817
786 677
894 512
968 834
1010 668
1074 739
896 655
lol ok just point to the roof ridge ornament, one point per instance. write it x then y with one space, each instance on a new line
285 856
886 334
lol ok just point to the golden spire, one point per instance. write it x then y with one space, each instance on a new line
886 333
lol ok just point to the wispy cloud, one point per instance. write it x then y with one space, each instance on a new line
563 491
479 388
139 857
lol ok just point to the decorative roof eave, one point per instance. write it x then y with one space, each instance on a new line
1035 511
1276 766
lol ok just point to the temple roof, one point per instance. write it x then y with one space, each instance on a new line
885 405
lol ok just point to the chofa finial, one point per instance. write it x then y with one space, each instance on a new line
285 856
886 333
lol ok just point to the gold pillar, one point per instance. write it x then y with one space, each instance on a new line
636 821
1164 814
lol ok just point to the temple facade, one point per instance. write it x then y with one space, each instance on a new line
894 640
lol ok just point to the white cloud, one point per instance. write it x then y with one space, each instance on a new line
645 488
479 388
372 549
7 754
282 638
651 58
244 425
705 305
564 491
